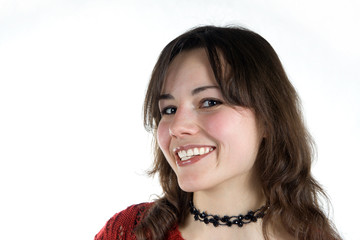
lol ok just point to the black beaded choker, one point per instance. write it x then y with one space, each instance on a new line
216 220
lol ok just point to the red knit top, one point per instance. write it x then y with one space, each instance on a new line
122 224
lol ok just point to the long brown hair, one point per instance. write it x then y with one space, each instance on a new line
258 81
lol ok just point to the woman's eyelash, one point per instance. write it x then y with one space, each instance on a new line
168 110
206 103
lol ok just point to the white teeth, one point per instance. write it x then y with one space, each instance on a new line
189 153
182 153
185 155
202 150
196 151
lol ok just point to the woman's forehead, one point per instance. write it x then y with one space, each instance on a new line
190 68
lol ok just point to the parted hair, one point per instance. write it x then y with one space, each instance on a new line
256 80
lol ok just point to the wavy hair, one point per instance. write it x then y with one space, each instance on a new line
257 80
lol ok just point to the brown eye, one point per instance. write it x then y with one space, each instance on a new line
207 103
168 111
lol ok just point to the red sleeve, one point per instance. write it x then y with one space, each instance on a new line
121 225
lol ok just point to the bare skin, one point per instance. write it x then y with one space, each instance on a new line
221 201
224 181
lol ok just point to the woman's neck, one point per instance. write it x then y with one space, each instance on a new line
231 198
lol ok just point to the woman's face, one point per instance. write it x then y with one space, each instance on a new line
207 142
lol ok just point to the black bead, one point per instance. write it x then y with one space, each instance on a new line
254 219
225 219
206 220
203 215
240 224
211 220
229 224
251 213
216 217
196 217
247 217
236 221
240 217
216 224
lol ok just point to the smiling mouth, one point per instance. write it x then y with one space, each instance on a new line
192 152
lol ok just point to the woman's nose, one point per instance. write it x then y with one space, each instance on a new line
183 124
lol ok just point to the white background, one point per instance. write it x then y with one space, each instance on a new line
73 75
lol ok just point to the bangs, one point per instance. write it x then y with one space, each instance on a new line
229 61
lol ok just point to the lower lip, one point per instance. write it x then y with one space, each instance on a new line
191 160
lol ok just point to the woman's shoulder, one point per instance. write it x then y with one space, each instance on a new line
121 225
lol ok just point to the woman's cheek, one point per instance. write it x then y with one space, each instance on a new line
219 124
163 137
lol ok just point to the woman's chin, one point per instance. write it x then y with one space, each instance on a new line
192 185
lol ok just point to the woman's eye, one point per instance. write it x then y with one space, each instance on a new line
168 111
210 103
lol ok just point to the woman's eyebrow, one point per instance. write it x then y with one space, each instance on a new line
165 96
200 89
195 91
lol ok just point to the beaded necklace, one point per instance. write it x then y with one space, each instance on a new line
216 220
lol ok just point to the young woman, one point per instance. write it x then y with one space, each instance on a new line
231 150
